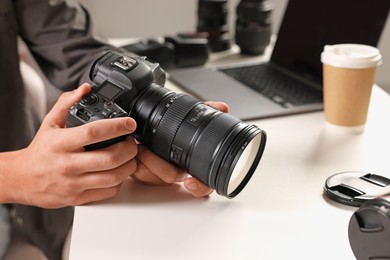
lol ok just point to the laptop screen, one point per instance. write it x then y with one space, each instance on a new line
308 25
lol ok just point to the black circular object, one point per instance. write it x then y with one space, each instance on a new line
369 230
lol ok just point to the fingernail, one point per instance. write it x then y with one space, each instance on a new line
129 124
192 186
84 85
182 177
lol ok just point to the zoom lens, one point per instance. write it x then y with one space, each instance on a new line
213 20
216 148
253 26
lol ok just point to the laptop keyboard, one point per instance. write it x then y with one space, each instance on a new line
275 85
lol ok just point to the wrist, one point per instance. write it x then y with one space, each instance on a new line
8 171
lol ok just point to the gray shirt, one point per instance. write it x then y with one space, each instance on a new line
61 37
4 231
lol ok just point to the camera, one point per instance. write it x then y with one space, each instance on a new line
214 147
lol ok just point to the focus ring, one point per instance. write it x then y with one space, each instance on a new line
206 145
170 123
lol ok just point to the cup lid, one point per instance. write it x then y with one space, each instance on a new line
354 56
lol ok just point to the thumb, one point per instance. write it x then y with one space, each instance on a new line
219 105
57 114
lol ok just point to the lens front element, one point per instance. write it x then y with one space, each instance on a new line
244 163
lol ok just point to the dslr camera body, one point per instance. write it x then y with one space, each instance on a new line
215 147
120 79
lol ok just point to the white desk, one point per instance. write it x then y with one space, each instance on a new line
281 214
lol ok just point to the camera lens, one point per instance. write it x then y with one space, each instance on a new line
215 147
253 26
212 20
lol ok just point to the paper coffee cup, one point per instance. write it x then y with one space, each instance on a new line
348 76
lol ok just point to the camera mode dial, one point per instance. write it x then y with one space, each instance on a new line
89 99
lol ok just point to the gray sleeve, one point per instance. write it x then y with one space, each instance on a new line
4 230
61 37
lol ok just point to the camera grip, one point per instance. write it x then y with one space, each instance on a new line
105 143
86 111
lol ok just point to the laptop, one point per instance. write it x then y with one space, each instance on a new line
291 81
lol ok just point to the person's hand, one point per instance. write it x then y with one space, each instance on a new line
153 170
56 171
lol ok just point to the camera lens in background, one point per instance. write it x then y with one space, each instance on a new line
213 20
215 147
253 26
369 229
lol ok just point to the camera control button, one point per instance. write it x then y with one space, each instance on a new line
84 114
106 113
89 99
113 115
176 153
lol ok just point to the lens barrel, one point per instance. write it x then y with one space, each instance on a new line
253 26
215 147
213 20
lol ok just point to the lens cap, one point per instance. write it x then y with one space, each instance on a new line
356 187
369 230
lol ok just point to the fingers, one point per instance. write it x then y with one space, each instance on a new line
98 131
219 105
145 176
58 113
153 170
96 195
197 188
105 179
103 159
90 133
194 186
158 166
98 186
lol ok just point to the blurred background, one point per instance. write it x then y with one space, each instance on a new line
148 18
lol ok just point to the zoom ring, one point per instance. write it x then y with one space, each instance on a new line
170 123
